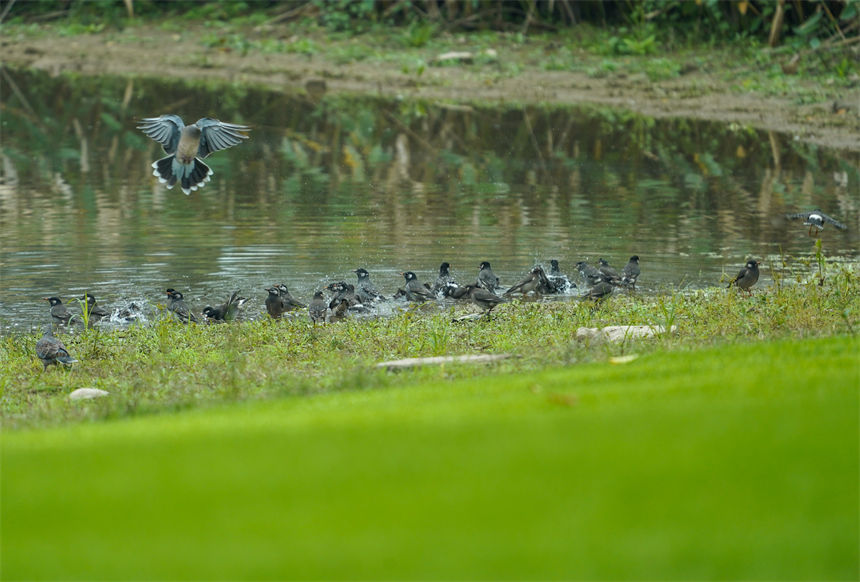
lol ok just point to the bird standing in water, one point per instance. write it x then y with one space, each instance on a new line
747 277
226 311
630 272
487 278
177 306
318 308
366 291
95 313
187 145
415 291
59 314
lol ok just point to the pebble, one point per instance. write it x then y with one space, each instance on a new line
87 393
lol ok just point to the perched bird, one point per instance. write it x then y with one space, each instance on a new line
486 278
290 303
187 145
630 272
535 282
444 280
815 221
318 309
51 350
590 274
558 280
274 304
343 292
598 292
59 314
609 274
95 313
366 291
414 290
226 311
747 277
177 306
484 299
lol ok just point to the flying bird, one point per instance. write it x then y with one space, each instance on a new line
187 146
815 221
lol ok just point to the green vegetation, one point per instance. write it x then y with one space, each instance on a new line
168 366
736 462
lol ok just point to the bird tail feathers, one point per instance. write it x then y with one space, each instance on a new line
190 176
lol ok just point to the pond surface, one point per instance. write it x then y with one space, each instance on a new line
329 183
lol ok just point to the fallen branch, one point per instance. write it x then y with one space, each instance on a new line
437 360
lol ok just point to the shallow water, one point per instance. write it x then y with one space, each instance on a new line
327 184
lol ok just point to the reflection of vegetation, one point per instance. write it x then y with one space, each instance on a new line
458 155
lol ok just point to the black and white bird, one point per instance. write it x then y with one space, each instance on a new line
343 292
51 351
226 311
95 313
318 308
414 290
289 302
608 272
60 315
747 277
177 306
486 278
445 280
365 290
815 221
630 272
558 280
590 274
187 146
484 299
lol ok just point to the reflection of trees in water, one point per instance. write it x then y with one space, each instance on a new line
73 146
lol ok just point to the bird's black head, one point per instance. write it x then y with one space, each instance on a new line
336 287
272 290
319 295
581 265
53 300
174 294
554 263
484 265
170 291
751 264
409 275
208 311
603 262
634 259
443 268
361 272
89 299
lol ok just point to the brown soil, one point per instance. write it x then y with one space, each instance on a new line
149 51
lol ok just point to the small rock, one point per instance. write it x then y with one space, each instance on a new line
87 393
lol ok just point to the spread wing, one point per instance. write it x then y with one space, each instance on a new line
165 130
216 135
833 221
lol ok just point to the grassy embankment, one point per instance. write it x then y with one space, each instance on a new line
736 461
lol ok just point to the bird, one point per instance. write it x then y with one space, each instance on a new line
747 277
343 292
60 315
609 274
630 272
444 280
275 306
289 302
486 278
815 221
177 306
590 274
455 291
366 291
414 290
484 299
317 308
534 282
50 350
598 292
95 313
559 281
226 311
187 145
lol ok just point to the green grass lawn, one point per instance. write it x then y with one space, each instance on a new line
738 461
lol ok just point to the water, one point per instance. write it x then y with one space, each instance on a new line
326 185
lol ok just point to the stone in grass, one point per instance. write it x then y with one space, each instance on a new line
87 394
620 333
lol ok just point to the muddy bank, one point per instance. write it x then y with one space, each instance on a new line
149 51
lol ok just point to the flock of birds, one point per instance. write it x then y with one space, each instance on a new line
187 145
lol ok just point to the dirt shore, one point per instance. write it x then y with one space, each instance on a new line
149 51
